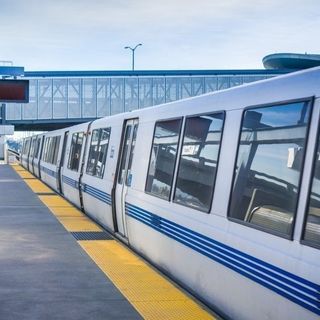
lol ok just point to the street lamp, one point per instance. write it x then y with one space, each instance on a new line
132 50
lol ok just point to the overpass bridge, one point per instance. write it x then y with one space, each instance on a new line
62 98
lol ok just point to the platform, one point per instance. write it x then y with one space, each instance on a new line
58 264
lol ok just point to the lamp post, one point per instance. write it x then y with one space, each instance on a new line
133 50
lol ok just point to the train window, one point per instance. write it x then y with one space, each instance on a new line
56 150
98 152
93 152
45 149
312 225
268 168
32 148
37 148
75 151
198 161
133 143
26 149
23 146
50 150
124 153
163 158
102 152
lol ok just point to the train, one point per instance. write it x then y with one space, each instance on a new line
221 191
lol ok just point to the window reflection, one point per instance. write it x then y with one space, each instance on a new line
133 144
125 149
37 148
75 151
269 164
198 161
98 152
312 227
163 157
51 149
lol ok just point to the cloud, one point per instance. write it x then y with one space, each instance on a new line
68 34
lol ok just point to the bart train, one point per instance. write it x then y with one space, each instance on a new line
219 191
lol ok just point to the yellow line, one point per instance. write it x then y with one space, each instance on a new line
66 212
74 224
71 218
55 201
153 296
18 168
25 174
37 186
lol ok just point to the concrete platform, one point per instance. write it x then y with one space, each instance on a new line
44 273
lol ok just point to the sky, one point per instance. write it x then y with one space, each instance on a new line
176 34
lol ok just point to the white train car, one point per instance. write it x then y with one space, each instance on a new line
99 172
50 159
220 191
33 158
36 155
30 155
25 150
74 140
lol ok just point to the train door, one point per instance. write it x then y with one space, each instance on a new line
60 165
40 155
32 155
29 159
35 142
124 173
28 152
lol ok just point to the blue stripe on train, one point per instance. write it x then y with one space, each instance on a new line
96 193
294 288
70 182
48 171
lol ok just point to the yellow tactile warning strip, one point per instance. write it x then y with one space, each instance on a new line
74 224
25 174
66 212
17 167
151 294
70 217
55 201
37 186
